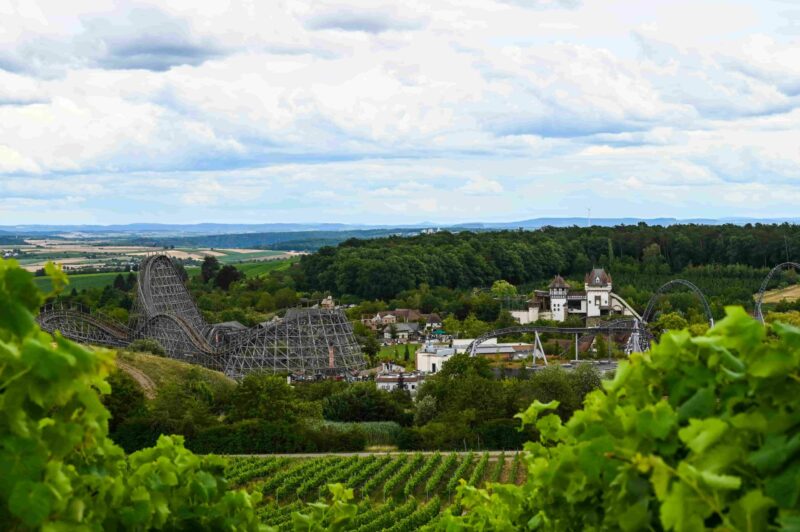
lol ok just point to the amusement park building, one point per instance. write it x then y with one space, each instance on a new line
560 301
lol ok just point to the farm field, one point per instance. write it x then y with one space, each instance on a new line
81 281
398 492
254 269
231 256
790 293
76 254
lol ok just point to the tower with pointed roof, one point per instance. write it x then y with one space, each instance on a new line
598 292
559 289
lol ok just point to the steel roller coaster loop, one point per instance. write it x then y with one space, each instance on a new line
648 313
765 283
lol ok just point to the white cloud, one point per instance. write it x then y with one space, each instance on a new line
482 185
330 109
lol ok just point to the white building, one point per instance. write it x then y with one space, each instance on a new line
430 358
404 381
560 301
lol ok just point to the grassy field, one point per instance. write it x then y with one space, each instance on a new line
231 257
790 293
398 492
388 353
83 281
255 269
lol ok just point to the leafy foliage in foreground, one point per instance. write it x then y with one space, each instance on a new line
60 471
700 433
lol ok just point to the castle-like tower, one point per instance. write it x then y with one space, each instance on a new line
558 298
597 284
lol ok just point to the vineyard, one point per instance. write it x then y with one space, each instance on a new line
394 492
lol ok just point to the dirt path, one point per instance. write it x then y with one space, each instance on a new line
148 386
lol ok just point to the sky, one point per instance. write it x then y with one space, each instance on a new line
398 112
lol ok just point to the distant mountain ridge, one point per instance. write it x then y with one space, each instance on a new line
221 228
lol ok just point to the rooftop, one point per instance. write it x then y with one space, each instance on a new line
558 282
597 277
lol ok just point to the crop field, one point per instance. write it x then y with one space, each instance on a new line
230 256
397 492
82 254
81 281
254 269
790 293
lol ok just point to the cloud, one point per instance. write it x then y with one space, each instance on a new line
349 109
362 20
481 186
719 86
545 4
146 38
136 37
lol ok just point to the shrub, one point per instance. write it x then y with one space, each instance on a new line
584 379
261 395
253 436
362 402
147 345
138 433
375 432
502 434
126 400
249 437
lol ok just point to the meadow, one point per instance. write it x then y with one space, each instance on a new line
396 354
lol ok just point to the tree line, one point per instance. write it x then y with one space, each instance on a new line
381 268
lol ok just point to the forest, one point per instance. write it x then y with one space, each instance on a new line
384 267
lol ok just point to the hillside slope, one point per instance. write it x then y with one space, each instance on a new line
154 372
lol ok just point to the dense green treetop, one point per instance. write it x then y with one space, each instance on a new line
381 268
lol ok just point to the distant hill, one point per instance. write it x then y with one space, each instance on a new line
536 223
298 240
177 229
219 228
8 238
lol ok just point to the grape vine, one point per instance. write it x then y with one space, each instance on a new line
459 472
421 473
497 472
439 473
380 478
401 474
